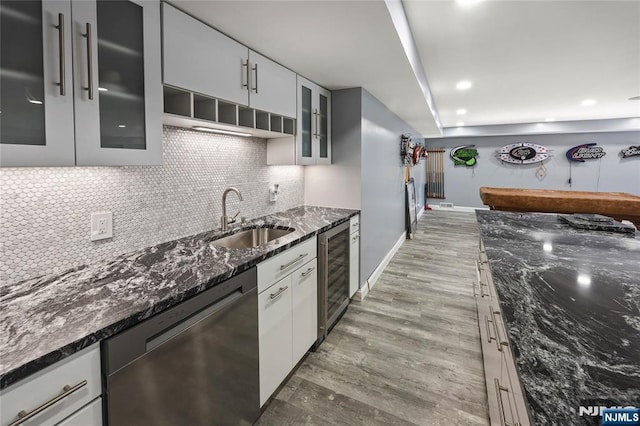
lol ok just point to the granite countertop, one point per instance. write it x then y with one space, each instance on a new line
571 301
48 318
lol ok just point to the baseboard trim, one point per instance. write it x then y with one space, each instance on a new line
457 208
420 213
362 292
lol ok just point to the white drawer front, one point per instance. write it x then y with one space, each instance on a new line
274 326
91 415
44 386
305 309
283 264
354 223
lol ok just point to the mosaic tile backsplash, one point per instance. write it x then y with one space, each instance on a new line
45 211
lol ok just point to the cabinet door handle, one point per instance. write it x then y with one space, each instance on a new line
255 73
307 272
355 237
503 415
23 415
499 339
89 60
316 115
244 74
278 293
294 261
61 54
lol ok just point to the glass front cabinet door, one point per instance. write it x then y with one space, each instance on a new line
313 140
80 83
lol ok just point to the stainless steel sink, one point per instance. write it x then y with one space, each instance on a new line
251 238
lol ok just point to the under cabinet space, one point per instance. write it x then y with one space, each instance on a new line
276 123
246 117
227 113
262 120
177 101
288 125
204 107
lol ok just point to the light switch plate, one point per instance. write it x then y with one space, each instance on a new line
101 225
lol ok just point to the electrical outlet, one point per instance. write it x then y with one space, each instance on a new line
101 225
274 190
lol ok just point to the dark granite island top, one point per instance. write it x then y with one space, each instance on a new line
48 318
571 301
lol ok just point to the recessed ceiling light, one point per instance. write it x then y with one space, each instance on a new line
461 111
584 280
588 102
549 119
463 85
35 101
468 2
102 89
122 126
459 124
224 132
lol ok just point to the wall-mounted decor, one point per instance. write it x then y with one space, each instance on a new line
410 152
435 174
587 151
523 153
464 155
632 151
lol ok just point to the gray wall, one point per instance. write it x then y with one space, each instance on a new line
611 173
45 211
383 188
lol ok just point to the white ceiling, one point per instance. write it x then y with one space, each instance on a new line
528 60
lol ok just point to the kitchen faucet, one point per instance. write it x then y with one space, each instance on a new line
224 220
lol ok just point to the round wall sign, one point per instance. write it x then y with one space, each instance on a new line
523 153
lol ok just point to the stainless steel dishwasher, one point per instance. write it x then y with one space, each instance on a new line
193 364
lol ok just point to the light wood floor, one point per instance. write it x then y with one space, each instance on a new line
409 354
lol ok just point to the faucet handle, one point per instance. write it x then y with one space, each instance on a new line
233 218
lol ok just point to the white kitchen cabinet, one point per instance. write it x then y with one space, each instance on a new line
354 262
108 111
223 68
273 87
288 312
304 309
198 58
312 142
77 377
91 415
275 336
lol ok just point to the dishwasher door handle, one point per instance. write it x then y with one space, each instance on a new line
178 328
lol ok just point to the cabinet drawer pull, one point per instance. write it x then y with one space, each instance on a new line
255 73
294 261
355 237
61 54
490 338
278 293
244 75
89 60
23 415
308 271
353 225
482 293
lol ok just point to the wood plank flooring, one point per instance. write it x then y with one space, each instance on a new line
409 354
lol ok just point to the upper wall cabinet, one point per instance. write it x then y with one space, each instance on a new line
83 87
221 67
312 142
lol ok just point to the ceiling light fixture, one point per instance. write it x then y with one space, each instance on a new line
549 119
461 111
634 98
468 2
220 131
35 101
459 124
463 85
102 89
122 126
588 102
